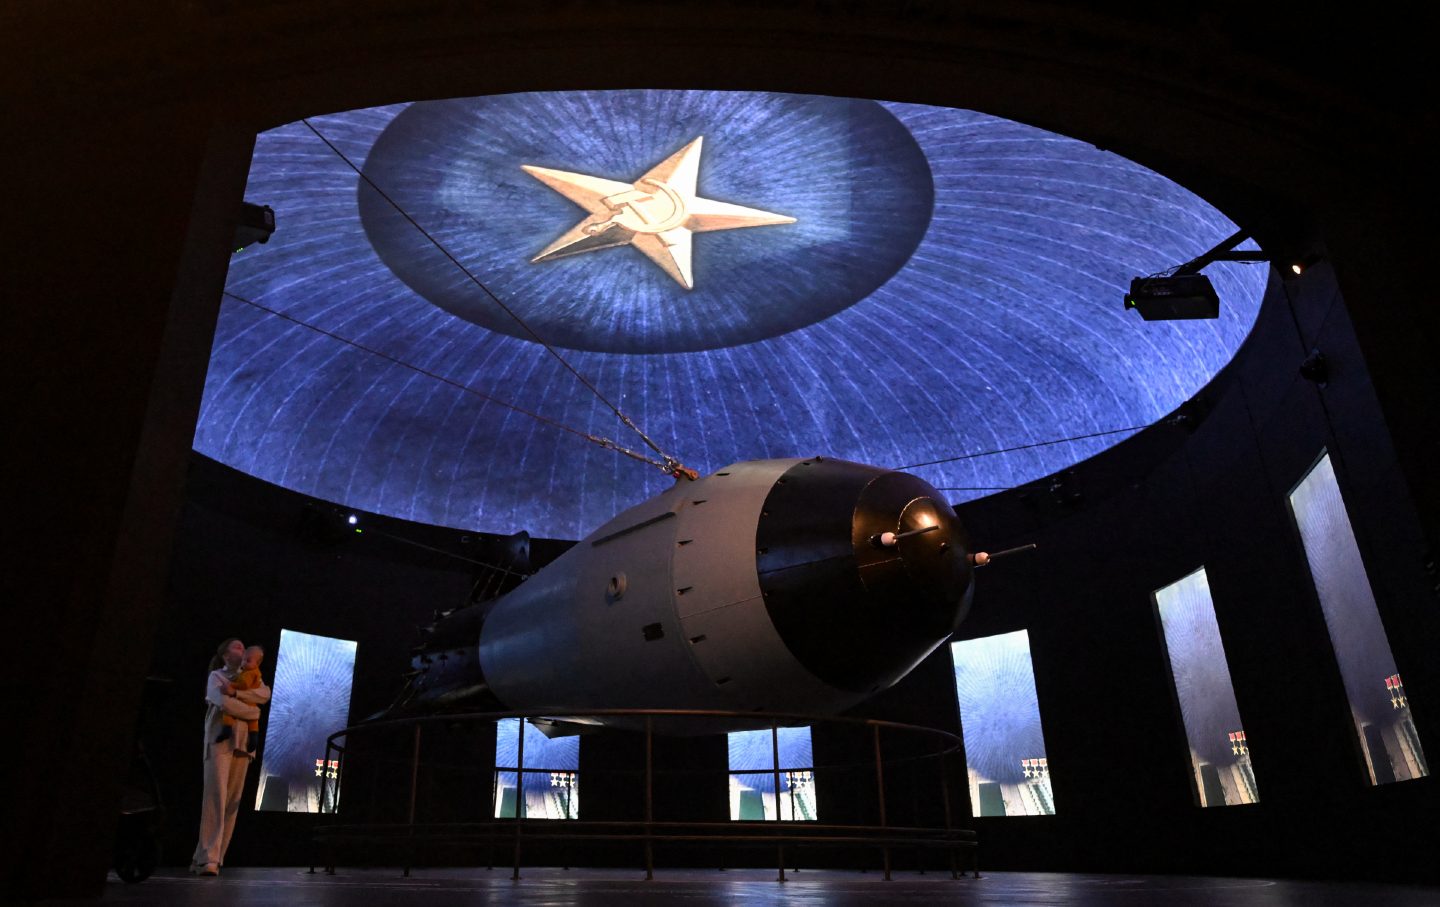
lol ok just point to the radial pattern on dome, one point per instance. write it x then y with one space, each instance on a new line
924 283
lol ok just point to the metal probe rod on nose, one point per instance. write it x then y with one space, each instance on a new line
888 539
981 558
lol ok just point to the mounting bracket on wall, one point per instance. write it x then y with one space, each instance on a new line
1316 368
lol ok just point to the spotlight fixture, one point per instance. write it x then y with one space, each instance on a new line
256 224
1300 262
352 519
1182 292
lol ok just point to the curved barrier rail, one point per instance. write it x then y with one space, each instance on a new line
516 832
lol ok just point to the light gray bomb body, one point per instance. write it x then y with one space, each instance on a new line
792 585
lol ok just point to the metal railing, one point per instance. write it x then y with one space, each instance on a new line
647 832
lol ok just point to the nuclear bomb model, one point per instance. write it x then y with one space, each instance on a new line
793 585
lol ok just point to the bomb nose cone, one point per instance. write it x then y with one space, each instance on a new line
864 571
924 575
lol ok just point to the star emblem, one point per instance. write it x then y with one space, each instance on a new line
657 214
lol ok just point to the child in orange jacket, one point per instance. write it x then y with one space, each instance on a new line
247 679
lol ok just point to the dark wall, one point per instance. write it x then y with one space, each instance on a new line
1120 529
251 559
132 129
1206 490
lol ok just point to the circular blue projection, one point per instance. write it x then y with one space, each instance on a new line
976 308
850 182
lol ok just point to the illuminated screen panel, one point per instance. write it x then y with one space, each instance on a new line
753 777
1378 703
550 772
310 701
1219 750
1000 718
922 242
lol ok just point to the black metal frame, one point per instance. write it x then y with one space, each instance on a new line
778 831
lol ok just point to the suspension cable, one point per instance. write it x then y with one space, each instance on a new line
671 465
594 439
1004 450
608 444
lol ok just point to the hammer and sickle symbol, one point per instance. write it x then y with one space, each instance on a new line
632 212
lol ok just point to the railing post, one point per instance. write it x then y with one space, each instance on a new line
945 800
775 768
519 798
414 785
920 852
371 810
790 782
568 781
649 797
314 843
334 795
880 788
339 774
492 816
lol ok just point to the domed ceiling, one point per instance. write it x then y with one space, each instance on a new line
745 275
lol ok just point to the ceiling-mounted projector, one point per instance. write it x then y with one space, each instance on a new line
1182 292
1172 298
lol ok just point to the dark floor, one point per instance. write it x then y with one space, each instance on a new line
603 887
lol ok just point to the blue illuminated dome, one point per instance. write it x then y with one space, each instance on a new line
944 282
848 172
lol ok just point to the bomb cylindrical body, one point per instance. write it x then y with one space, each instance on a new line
764 586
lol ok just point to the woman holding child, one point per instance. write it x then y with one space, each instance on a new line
230 710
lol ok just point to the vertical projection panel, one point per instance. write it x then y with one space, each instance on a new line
1000 717
752 775
551 773
1378 703
1219 751
310 701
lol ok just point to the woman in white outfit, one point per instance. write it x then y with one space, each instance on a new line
226 761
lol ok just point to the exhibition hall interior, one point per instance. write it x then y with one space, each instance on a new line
808 452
